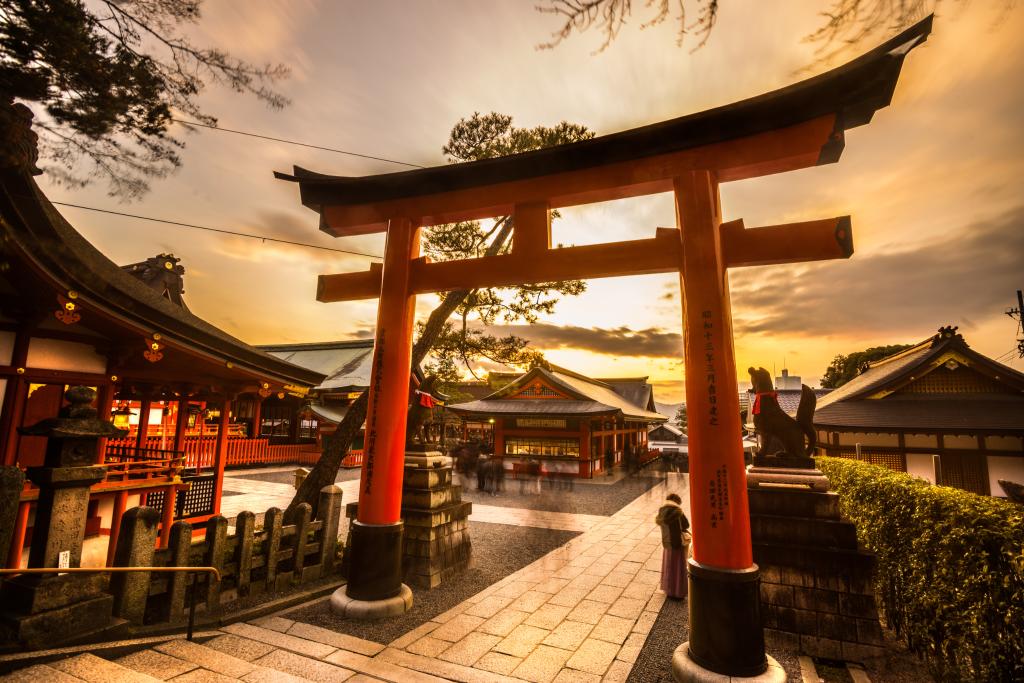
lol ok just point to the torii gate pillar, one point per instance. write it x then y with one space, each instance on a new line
725 606
375 587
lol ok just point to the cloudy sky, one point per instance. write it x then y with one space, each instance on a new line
933 183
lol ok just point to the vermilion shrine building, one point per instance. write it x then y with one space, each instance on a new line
573 424
189 394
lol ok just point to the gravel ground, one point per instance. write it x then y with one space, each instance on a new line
580 498
498 550
654 665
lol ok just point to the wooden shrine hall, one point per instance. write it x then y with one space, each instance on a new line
796 127
574 425
187 393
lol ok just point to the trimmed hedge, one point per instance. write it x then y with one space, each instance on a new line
950 574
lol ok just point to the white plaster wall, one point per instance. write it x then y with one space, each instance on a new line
968 442
6 347
851 438
921 465
1003 443
56 354
1006 467
921 441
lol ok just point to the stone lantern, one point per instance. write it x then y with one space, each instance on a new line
51 608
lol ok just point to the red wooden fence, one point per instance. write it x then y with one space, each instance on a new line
201 452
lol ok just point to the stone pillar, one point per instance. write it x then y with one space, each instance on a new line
329 512
52 608
12 481
136 547
436 543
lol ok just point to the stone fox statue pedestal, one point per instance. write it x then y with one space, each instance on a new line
816 588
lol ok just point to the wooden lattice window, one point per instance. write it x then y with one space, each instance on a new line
894 461
967 471
959 380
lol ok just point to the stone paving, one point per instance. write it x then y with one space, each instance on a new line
580 613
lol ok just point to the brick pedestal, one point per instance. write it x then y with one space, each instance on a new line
436 544
816 587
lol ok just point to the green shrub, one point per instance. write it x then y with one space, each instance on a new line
950 575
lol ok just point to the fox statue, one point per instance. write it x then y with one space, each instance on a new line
782 438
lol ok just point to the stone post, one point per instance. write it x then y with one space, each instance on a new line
12 481
52 608
136 547
329 511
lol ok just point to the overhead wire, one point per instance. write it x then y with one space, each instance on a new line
186 122
218 230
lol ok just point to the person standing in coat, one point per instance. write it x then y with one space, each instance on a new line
675 541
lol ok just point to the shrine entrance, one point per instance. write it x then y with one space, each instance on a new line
797 127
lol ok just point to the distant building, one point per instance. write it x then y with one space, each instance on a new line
938 410
574 424
787 382
667 438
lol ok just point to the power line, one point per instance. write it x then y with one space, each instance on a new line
293 142
223 232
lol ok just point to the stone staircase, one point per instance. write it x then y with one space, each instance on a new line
263 651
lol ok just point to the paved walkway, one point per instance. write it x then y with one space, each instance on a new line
259 496
581 613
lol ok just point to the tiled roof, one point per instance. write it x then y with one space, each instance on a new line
37 231
993 413
878 398
589 396
789 399
346 364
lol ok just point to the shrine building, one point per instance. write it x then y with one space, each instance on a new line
574 425
938 410
188 395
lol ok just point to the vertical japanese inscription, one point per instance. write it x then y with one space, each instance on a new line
709 366
370 444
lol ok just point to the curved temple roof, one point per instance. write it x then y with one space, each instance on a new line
55 253
850 93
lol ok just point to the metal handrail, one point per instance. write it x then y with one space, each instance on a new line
196 571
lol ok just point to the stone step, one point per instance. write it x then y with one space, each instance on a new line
284 641
40 673
206 658
93 669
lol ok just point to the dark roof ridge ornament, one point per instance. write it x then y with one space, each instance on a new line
19 144
163 274
948 333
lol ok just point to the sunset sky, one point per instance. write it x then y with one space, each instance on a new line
933 183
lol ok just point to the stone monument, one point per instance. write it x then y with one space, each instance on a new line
816 582
53 608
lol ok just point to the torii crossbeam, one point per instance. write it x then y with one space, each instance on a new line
796 127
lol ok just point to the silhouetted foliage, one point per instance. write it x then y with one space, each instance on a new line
105 80
843 368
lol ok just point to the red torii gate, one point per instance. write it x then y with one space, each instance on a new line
796 127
